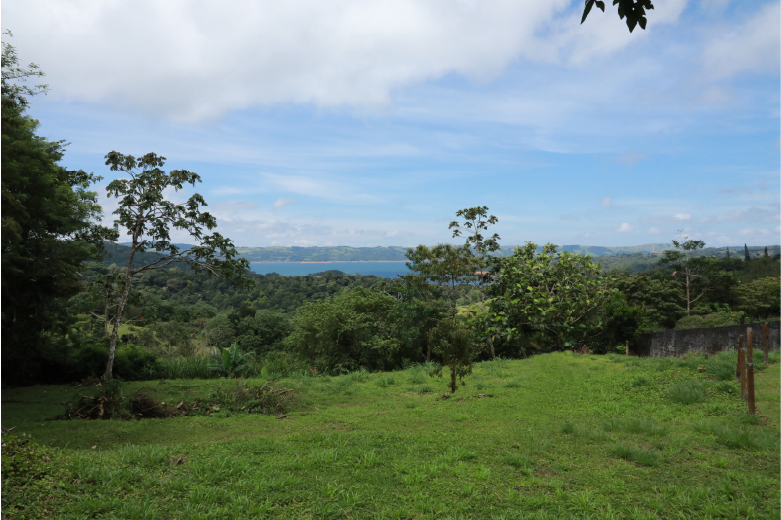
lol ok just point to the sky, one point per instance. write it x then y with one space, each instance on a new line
371 122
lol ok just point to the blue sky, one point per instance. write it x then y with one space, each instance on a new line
369 123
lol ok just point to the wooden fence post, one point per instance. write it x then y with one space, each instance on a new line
750 369
765 340
742 368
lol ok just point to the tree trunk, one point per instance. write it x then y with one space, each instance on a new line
113 345
105 319
121 307
688 297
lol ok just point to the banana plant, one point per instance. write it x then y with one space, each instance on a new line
231 361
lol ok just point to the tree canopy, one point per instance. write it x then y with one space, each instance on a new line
50 226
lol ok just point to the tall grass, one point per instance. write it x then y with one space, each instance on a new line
687 392
195 367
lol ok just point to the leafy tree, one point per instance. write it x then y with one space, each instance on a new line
356 329
476 222
219 331
175 337
633 10
759 299
263 332
149 218
49 227
449 267
547 300
454 341
656 293
697 274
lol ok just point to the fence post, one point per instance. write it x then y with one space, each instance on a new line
627 350
742 368
765 340
750 369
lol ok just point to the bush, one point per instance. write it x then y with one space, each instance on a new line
23 460
714 319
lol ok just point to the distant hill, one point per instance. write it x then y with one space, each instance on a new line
633 258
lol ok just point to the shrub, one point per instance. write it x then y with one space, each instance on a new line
687 392
280 364
23 460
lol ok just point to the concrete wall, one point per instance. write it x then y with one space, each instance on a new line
706 341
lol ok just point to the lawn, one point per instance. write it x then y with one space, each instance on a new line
554 436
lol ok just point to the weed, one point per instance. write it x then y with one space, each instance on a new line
568 428
635 425
636 455
687 392
727 388
512 384
536 443
426 389
739 438
385 381
640 382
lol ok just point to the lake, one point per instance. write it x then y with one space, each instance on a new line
384 269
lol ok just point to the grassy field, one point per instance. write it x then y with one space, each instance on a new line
554 436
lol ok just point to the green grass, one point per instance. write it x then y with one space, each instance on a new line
557 436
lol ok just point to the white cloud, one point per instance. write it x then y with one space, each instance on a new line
683 216
282 202
607 202
624 228
195 60
198 59
654 231
752 46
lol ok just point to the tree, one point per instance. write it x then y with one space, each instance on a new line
547 300
656 293
50 226
633 10
149 219
262 332
451 269
360 328
444 265
454 341
698 274
759 299
477 221
219 331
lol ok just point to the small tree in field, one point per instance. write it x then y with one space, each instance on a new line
476 222
149 219
451 268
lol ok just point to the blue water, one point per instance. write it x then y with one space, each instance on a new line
384 269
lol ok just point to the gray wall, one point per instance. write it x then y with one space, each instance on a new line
706 341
